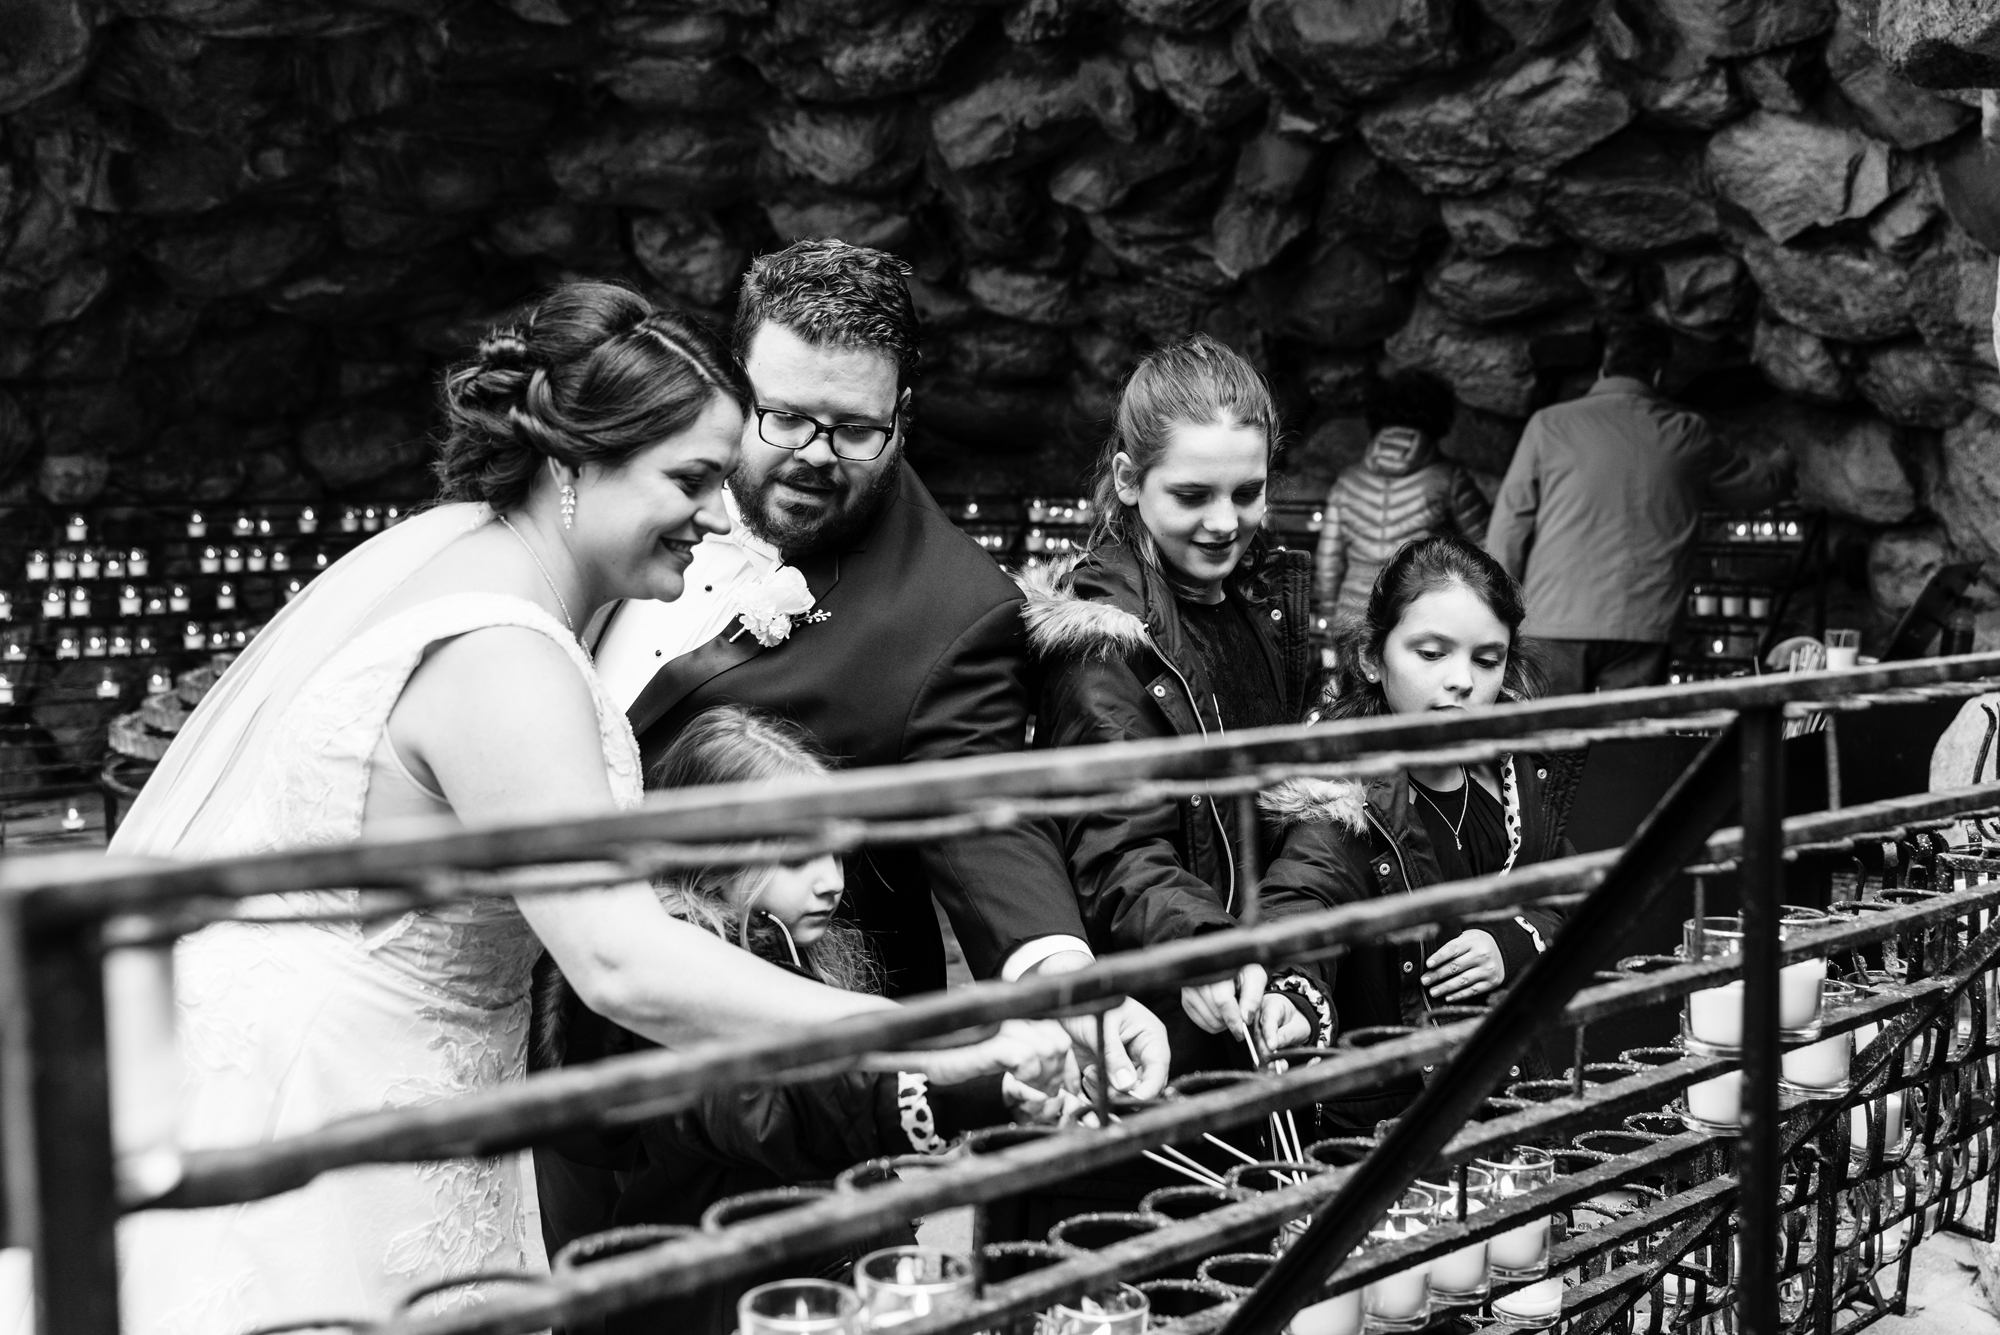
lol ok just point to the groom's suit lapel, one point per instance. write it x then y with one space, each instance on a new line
683 676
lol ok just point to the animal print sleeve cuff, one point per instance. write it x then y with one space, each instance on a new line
1312 1003
913 1102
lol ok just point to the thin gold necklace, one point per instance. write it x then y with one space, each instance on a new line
571 625
1465 804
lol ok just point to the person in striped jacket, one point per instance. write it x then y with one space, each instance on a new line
1401 490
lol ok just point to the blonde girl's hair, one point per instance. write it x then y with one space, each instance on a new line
1197 381
734 744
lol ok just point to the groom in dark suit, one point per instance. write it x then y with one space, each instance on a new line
912 646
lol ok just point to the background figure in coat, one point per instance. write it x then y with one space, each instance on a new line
847 602
1441 631
1178 621
1402 489
1599 512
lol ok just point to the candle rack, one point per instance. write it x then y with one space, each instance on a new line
1803 1222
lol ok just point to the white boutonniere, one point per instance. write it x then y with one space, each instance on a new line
770 604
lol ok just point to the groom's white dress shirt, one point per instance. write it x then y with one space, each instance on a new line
647 634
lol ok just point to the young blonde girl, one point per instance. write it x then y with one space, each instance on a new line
671 1169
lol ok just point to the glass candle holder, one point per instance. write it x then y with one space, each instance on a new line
1536 1306
114 565
799 1307
1799 994
1887 1110
38 565
1522 1252
1339 1315
280 559
232 559
65 564
899 1284
79 601
1402 1301
1819 1071
1459 1278
137 563
128 601
1119 1310
54 603
308 519
1715 1105
210 561
87 564
256 559
178 599
1712 1019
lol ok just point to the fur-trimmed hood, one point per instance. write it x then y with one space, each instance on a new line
1063 624
1341 802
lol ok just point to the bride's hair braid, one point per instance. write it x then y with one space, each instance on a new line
566 382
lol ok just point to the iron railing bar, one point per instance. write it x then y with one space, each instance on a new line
1760 888
69 886
658 1083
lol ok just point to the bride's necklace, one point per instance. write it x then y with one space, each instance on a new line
547 576
1465 805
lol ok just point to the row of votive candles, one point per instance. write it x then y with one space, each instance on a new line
137 563
1730 600
891 1287
1404 1300
128 642
1712 1024
77 602
306 519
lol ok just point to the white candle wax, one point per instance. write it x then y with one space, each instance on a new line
1462 1271
1534 1302
1798 994
1718 1102
1522 1247
1715 1015
1335 1316
1892 1126
1401 1296
1821 1066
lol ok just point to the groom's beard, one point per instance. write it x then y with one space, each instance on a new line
798 532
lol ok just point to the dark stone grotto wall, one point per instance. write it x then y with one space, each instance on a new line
239 237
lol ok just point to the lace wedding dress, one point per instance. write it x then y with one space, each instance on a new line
285 1027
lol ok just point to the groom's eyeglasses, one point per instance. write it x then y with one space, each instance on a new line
850 440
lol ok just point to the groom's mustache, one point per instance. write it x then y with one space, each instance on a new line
799 474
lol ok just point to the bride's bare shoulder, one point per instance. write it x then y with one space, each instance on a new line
482 561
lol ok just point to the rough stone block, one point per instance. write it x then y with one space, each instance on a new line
1939 43
1200 76
361 445
48 47
691 255
1799 363
1494 223
1633 193
1442 136
1792 174
1362 48
1966 493
1911 385
1265 209
835 61
1341 297
1490 369
849 148
655 162
1505 287
214 258
1549 107
1838 290
1366 197
1889 106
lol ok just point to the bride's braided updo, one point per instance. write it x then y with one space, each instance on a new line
593 373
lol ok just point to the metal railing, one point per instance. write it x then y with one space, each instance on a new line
58 915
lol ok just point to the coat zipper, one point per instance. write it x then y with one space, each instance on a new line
1228 855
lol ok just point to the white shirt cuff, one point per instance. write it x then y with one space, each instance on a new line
1034 952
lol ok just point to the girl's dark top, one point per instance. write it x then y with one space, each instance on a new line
1346 842
1233 659
1124 659
1482 832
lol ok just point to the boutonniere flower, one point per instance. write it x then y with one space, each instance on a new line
770 604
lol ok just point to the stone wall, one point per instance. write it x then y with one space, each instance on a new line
239 237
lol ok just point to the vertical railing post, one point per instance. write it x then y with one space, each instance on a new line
1761 880
76 1215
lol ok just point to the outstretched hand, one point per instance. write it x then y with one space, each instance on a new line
1034 1052
1227 1003
1469 965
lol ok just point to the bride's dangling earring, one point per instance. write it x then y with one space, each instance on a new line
567 493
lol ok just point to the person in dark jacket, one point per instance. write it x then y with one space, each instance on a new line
1440 632
1178 621
672 1169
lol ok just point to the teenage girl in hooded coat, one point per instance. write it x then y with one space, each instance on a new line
1179 621
1441 632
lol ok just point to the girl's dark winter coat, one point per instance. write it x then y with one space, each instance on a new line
1342 841
1117 667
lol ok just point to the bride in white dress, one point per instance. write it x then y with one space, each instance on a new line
436 672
